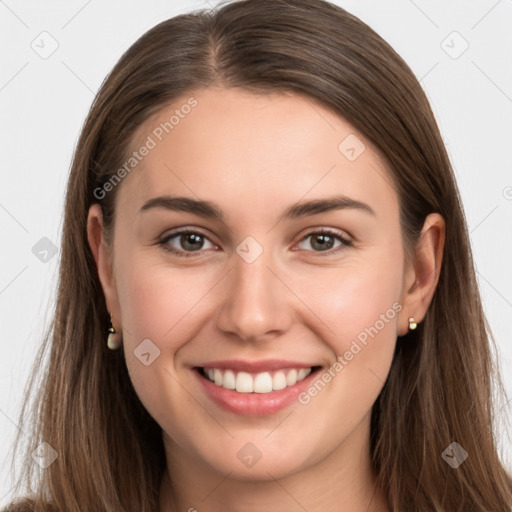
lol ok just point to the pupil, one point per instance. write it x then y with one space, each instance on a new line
325 241
188 240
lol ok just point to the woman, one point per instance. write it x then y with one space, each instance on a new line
262 224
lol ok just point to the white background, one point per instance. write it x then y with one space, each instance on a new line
44 102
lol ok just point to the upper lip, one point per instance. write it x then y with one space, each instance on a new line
255 366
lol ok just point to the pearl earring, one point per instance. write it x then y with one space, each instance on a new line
114 337
412 324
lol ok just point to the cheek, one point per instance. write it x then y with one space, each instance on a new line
158 301
157 308
360 309
358 304
353 298
158 311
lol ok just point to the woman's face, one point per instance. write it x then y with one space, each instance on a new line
269 280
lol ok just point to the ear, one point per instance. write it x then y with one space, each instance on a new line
422 273
102 256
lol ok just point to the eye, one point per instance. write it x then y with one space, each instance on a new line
188 242
324 240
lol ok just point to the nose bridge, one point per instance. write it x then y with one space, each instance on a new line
254 303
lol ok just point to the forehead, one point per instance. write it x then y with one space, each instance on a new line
251 152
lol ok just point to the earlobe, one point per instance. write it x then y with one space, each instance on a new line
423 273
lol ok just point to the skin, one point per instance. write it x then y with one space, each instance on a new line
254 155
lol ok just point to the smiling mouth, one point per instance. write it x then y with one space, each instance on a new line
263 382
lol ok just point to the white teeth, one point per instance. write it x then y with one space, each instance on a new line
279 381
244 383
229 381
301 374
264 382
291 378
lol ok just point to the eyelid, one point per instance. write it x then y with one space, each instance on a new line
330 231
185 230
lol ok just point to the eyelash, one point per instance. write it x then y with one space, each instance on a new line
344 242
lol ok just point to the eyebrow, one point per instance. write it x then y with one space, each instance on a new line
210 210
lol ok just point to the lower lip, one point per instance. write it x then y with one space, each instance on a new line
254 404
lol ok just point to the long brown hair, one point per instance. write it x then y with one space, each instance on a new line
440 387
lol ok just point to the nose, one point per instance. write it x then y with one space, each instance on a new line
255 305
